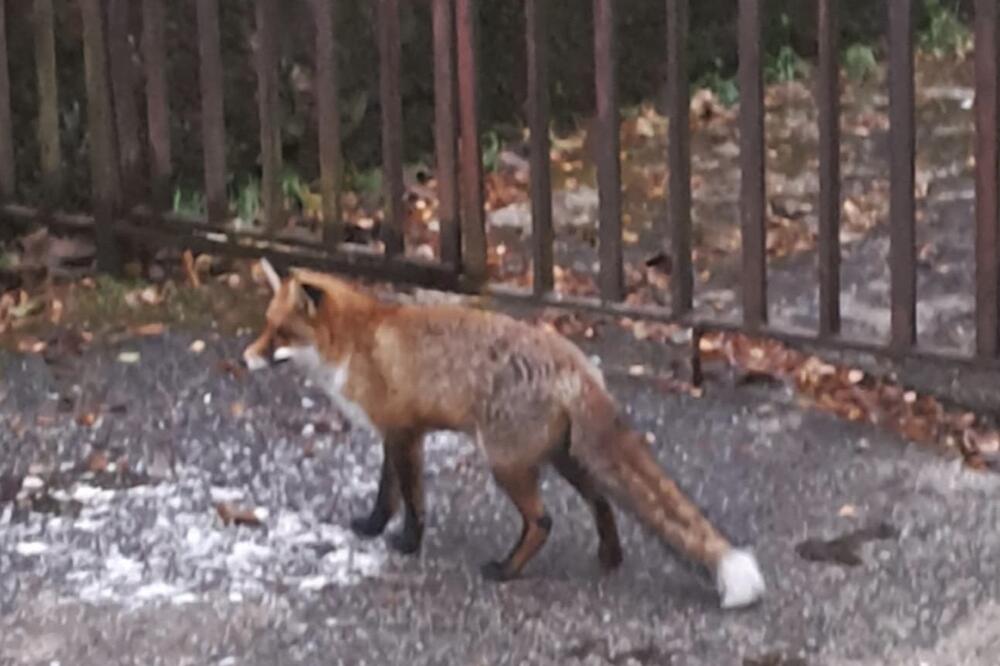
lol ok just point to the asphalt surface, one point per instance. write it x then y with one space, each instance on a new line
131 563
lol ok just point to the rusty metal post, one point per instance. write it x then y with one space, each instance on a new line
470 150
828 100
752 166
328 102
445 132
679 156
902 249
157 105
612 277
538 122
213 129
987 181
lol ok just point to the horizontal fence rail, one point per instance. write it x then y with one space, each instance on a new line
133 157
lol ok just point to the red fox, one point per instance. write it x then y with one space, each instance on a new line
528 396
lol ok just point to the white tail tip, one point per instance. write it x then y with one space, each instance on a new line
739 579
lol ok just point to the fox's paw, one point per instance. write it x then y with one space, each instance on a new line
610 556
495 572
406 542
368 527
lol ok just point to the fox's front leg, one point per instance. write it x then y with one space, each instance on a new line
402 478
386 501
407 455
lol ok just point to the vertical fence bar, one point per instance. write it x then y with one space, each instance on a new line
8 172
470 153
538 122
612 278
679 155
392 125
157 107
752 186
445 138
125 108
100 125
987 180
213 130
902 250
48 99
269 113
828 100
328 103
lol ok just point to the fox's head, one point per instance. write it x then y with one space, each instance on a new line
290 331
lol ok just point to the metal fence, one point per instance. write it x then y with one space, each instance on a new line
125 203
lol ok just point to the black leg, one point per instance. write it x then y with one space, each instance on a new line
408 462
386 502
609 550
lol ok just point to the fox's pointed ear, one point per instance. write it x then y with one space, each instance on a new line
272 275
313 296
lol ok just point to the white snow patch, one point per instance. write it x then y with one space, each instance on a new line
158 590
31 548
178 552
87 494
226 494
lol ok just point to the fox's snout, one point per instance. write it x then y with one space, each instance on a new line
262 354
254 361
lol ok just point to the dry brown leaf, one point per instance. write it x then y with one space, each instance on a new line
150 296
189 269
233 515
31 345
87 419
151 329
56 310
97 461
847 511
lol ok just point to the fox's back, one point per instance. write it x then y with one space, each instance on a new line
479 367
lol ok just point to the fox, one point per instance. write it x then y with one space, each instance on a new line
527 396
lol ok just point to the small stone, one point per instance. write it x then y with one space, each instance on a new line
129 357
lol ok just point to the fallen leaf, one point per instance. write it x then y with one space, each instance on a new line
233 515
150 296
189 269
232 368
31 345
97 461
56 309
87 419
155 328
847 511
27 307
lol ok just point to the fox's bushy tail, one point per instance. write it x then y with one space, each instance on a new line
621 460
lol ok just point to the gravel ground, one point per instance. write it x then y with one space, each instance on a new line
123 564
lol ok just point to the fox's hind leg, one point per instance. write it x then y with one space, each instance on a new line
609 550
521 485
386 501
